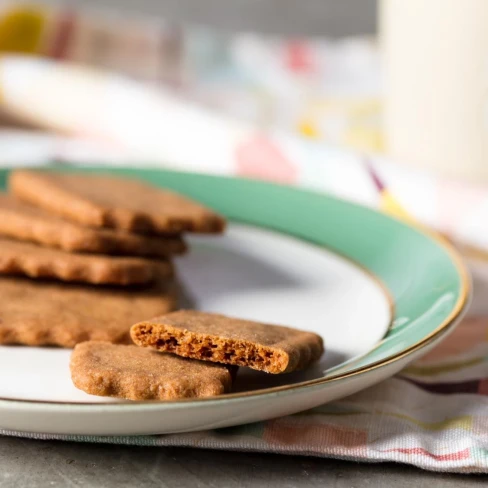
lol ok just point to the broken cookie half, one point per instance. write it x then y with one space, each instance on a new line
221 339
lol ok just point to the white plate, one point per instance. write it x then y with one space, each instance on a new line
250 273
260 274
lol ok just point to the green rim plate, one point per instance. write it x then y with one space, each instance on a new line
425 278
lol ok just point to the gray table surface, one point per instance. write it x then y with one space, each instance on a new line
46 464
29 463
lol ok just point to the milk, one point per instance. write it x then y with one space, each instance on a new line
435 57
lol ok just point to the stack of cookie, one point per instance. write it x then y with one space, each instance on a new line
83 257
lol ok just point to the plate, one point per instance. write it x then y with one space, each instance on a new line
379 291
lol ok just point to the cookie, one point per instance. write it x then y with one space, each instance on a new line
109 201
137 373
212 337
24 258
28 223
34 313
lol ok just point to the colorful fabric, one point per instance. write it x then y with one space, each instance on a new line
435 414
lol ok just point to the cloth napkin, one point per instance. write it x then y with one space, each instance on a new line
435 413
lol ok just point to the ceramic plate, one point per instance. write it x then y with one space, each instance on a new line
378 291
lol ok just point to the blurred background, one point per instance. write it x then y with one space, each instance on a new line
310 68
381 102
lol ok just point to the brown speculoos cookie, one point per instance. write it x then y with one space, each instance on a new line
136 373
34 313
26 222
110 201
23 258
213 337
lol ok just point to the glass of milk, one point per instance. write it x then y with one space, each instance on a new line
435 57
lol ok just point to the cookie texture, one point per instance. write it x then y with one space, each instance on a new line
218 338
109 201
26 222
23 258
137 373
34 313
